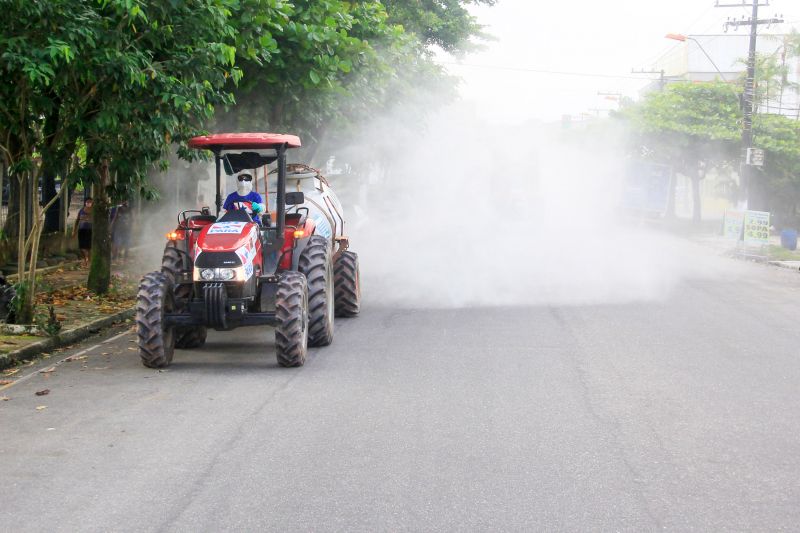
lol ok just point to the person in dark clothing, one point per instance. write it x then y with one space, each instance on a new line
83 229
121 222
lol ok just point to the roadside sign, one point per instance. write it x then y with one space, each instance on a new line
755 157
756 227
733 224
646 188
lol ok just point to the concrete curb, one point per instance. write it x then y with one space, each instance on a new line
67 337
46 270
791 265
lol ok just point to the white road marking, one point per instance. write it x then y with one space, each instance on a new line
115 337
59 362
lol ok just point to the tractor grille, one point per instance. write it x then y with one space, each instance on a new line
215 300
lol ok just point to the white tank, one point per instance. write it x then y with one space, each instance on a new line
323 206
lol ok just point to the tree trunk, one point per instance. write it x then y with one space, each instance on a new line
51 220
51 164
696 206
11 227
673 186
100 266
22 233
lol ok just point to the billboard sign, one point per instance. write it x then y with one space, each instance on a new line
756 227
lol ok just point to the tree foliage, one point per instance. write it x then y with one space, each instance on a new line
121 78
107 88
697 127
447 24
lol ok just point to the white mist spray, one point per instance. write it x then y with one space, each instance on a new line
470 214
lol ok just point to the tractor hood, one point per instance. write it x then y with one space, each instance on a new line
228 237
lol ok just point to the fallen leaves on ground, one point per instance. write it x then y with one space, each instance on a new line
44 392
6 382
10 372
47 370
75 358
41 407
4 398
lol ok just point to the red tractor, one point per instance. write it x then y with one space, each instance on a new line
292 270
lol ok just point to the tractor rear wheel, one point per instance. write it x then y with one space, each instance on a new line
153 301
315 263
291 309
172 264
347 281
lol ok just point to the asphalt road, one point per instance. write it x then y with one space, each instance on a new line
678 414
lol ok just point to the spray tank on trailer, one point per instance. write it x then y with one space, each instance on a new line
321 204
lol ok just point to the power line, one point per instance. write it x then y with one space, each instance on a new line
544 71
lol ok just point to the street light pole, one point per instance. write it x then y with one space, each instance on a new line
684 38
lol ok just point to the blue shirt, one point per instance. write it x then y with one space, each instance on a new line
236 201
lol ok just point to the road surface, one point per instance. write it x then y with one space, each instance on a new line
675 414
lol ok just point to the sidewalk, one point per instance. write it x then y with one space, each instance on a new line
709 236
76 312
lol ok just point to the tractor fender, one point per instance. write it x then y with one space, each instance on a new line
182 246
300 245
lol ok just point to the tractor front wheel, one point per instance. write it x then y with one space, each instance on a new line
347 281
291 309
153 301
315 263
172 263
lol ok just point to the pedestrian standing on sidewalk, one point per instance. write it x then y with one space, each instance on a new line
83 228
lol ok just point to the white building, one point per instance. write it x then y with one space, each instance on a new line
709 57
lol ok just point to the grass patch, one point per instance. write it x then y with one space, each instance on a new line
779 253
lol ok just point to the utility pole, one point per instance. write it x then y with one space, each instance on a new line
661 80
746 169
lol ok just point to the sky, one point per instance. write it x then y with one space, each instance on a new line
606 39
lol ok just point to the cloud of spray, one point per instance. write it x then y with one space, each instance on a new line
470 214
183 186
465 213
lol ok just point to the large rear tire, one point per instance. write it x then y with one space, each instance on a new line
347 283
291 309
315 263
172 264
153 301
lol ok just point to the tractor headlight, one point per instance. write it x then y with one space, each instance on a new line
222 274
226 274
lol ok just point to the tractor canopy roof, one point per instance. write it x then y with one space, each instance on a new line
234 141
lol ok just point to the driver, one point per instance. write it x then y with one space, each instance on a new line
244 197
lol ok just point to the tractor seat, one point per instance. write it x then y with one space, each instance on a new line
235 215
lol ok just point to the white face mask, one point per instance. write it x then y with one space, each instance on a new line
244 187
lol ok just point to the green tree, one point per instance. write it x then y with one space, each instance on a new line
121 78
693 127
316 48
39 40
159 69
779 136
447 24
338 64
697 127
